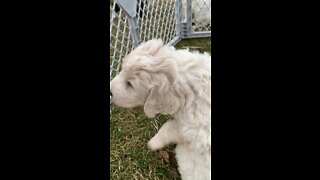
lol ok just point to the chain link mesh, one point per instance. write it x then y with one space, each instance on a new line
120 42
201 15
155 19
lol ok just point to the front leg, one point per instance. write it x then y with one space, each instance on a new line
168 133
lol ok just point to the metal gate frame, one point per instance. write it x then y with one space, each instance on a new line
183 28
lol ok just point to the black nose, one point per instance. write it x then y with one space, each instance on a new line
110 93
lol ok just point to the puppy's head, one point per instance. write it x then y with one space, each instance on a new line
147 79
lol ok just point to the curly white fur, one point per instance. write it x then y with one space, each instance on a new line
177 82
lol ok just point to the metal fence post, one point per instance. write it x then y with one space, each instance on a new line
134 31
178 17
189 18
185 27
130 8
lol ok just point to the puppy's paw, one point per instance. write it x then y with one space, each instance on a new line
155 144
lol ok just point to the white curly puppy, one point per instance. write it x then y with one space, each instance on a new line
169 81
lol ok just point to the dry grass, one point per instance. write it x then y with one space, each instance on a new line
129 156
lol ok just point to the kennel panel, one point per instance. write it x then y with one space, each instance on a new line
158 20
120 38
200 18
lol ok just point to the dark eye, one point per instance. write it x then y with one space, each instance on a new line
129 84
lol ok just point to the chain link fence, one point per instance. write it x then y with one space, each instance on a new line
136 21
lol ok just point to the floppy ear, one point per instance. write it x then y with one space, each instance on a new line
163 97
159 101
151 47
